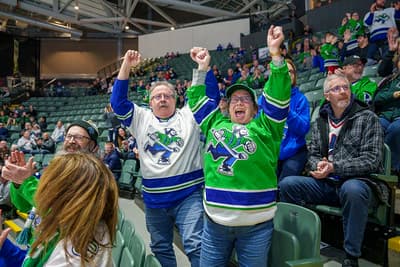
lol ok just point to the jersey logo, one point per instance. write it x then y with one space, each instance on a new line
231 146
164 143
382 18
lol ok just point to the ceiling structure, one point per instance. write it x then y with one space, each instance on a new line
78 19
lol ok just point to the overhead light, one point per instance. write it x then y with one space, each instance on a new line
76 7
127 27
172 28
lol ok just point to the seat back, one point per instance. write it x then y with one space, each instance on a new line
118 248
138 249
126 259
151 261
127 230
304 224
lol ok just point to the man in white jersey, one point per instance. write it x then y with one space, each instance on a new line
169 147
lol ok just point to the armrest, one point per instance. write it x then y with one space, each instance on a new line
386 178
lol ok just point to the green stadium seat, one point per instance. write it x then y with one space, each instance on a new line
151 261
126 259
296 238
118 248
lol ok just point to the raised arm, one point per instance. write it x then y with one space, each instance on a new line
204 93
122 107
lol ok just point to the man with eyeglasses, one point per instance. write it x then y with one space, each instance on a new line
81 136
346 147
240 159
169 147
362 87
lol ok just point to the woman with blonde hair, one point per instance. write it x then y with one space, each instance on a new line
77 202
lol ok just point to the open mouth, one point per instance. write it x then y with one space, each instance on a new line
240 114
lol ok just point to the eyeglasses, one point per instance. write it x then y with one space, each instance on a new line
160 96
244 99
76 137
336 89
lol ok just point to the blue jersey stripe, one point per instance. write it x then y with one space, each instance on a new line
240 198
275 112
154 183
205 110
169 199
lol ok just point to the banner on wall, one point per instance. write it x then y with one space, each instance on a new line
16 54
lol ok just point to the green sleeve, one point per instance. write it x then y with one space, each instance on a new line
385 95
22 197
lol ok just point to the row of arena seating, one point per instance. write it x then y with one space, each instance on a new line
130 249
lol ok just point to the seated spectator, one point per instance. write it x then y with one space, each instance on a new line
4 135
340 164
318 61
230 78
223 106
219 47
229 46
244 78
46 144
255 66
31 111
5 92
58 132
36 132
112 159
43 123
4 150
387 100
26 143
293 150
362 87
5 199
172 74
121 136
4 117
59 89
305 56
257 80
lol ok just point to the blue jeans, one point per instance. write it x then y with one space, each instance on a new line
293 165
251 243
188 217
392 139
354 196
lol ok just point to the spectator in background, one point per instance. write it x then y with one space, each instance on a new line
220 48
58 132
4 150
353 27
43 123
317 60
26 143
305 56
362 87
387 99
5 92
379 20
111 122
121 137
229 46
112 159
330 53
256 80
255 66
4 135
340 163
230 78
4 118
5 199
293 150
59 89
46 144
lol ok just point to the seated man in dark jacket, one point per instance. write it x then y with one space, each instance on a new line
346 145
112 159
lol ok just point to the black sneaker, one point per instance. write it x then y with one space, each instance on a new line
350 263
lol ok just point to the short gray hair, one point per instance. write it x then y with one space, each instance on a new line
332 77
162 83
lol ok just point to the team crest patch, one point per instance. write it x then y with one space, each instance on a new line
164 144
231 146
